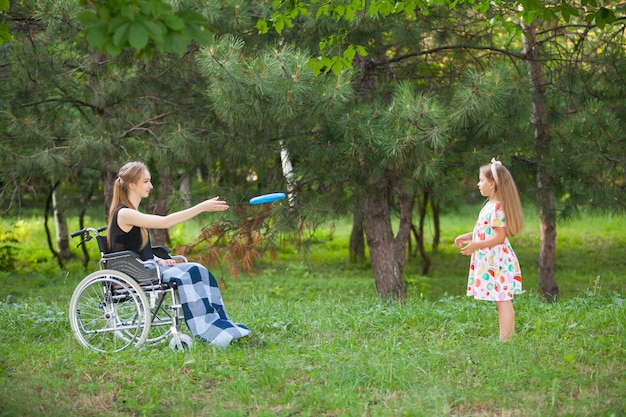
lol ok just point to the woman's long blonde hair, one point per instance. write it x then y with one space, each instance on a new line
129 173
507 195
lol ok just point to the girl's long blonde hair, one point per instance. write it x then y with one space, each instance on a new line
129 173
507 195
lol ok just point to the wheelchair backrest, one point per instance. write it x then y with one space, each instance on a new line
102 244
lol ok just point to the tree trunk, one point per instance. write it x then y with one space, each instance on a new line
387 272
406 221
81 225
545 193
60 223
185 189
436 225
548 287
108 179
288 173
46 216
387 253
357 238
423 211
160 207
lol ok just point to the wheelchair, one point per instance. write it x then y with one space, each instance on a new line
125 303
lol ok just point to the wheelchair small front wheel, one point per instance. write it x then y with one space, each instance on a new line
181 341
109 312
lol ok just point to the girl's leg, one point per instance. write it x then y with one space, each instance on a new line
506 319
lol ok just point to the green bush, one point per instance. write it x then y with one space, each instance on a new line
8 249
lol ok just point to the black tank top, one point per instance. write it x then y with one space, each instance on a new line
120 240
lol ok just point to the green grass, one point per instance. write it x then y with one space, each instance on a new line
324 344
328 357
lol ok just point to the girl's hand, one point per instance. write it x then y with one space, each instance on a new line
469 248
167 262
460 241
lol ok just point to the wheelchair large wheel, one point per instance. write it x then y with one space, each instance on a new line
109 312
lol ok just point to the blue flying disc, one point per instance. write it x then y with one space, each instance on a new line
267 198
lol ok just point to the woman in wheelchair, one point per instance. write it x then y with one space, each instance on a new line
200 296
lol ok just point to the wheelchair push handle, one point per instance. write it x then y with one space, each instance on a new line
88 233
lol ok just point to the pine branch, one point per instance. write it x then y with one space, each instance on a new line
455 47
78 103
140 126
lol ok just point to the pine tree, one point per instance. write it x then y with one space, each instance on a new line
436 96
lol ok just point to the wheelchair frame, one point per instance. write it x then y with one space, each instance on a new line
125 303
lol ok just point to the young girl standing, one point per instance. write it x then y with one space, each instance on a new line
495 273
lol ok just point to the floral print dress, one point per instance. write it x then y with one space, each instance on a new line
495 273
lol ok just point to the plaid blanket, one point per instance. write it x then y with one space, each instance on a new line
202 304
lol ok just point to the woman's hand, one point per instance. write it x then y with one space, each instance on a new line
166 262
215 204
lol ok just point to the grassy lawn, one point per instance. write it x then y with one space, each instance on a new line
324 344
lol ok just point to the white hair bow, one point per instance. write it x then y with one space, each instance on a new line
494 163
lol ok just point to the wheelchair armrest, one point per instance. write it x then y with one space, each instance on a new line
121 254
180 258
128 262
164 253
161 252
